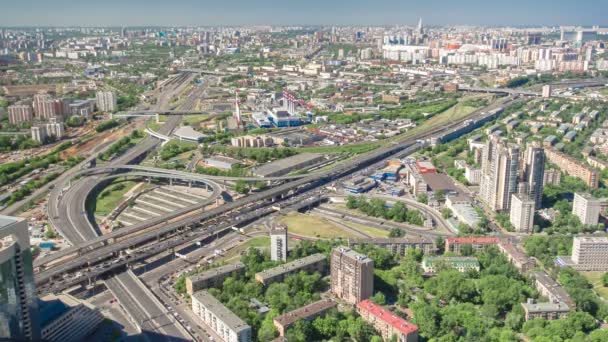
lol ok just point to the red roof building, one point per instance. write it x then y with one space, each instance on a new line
425 167
386 322
453 244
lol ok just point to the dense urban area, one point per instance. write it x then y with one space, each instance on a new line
304 183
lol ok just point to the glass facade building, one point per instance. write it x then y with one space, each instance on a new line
18 302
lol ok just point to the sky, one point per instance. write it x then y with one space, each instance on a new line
298 12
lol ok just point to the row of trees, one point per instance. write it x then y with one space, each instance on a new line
118 148
174 148
378 208
260 155
17 142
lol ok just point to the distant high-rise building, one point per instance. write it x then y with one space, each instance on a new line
39 133
19 313
587 208
500 164
547 91
45 107
352 275
522 213
278 243
106 101
18 114
534 172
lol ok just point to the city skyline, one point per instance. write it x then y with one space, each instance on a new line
272 12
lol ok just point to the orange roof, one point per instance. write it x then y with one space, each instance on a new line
473 240
388 317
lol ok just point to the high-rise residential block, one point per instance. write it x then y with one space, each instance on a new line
534 172
352 275
499 169
522 213
587 208
106 101
18 114
590 253
278 243
19 314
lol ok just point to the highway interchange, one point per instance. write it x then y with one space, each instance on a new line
93 257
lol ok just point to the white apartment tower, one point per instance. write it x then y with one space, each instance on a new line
106 101
522 213
587 208
278 243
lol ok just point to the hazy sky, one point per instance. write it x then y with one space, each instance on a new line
285 12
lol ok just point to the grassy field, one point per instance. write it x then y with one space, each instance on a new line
194 120
109 198
261 242
373 232
595 278
314 226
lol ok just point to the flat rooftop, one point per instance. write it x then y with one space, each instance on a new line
305 311
545 307
291 266
219 310
217 271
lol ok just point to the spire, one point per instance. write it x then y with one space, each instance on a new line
420 26
237 111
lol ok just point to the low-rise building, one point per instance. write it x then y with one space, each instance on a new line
453 244
396 246
228 326
549 288
212 278
307 312
573 167
548 311
387 323
311 263
462 264
516 257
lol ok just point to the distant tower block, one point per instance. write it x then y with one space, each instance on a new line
278 243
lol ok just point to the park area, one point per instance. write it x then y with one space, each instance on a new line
595 278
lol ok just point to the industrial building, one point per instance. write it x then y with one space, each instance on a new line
359 185
187 133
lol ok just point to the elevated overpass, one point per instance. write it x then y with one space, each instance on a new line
502 91
186 226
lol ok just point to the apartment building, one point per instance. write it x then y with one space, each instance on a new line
587 208
387 323
307 312
18 114
213 278
461 264
588 254
548 311
278 243
228 326
522 213
352 275
454 244
396 246
573 167
311 263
